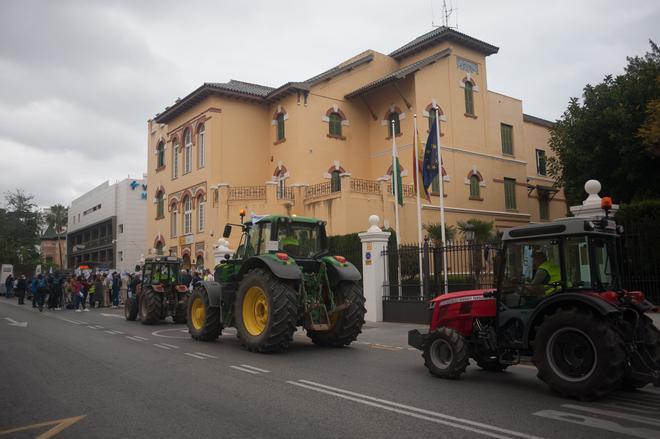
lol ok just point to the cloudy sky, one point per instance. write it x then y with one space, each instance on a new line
80 79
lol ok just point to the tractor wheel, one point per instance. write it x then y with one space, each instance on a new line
131 309
151 307
579 355
203 319
651 339
266 311
446 353
347 323
491 364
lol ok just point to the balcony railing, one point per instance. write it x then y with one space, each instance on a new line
363 186
318 190
247 193
285 193
408 190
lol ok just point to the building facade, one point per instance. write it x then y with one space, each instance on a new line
322 148
106 226
52 248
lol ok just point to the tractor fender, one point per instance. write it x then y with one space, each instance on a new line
289 271
562 300
340 272
213 291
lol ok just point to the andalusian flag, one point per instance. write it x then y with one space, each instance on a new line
396 175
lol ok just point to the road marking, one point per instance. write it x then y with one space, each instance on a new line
141 338
245 370
91 327
133 338
161 346
415 412
170 345
99 327
71 321
205 355
384 347
59 426
13 322
113 315
635 418
161 333
110 332
602 424
117 332
255 368
196 356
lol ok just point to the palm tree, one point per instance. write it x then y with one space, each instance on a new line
58 219
435 233
483 230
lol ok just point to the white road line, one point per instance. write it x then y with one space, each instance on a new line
110 332
245 370
117 332
141 338
205 355
415 412
112 315
99 327
70 321
600 423
196 356
91 327
255 368
133 338
635 418
170 346
161 346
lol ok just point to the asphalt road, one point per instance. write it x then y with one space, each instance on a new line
95 375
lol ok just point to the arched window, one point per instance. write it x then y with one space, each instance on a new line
432 115
187 151
160 204
201 210
201 147
393 117
160 151
334 124
474 186
280 127
159 247
469 97
175 159
187 215
173 219
281 185
335 181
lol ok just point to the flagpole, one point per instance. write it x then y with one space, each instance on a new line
442 202
419 204
395 173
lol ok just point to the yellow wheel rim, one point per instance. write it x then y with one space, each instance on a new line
255 311
198 313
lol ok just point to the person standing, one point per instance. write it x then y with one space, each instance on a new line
42 291
21 287
107 287
116 285
34 287
123 289
9 286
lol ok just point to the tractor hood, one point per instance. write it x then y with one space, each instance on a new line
461 296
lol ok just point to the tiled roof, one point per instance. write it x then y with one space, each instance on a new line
537 120
50 234
401 73
339 69
440 34
242 87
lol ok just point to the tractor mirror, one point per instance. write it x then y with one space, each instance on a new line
227 231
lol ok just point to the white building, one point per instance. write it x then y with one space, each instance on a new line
107 226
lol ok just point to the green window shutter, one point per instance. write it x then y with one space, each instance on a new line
510 193
474 187
469 98
507 138
335 182
544 206
541 162
335 125
435 185
280 126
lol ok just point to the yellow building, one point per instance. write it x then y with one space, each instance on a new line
322 148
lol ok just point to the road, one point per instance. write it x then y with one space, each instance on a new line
95 375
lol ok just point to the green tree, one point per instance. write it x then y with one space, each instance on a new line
612 135
19 229
435 233
58 219
483 230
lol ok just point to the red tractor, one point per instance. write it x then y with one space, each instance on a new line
559 303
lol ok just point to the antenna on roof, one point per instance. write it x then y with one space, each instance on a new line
446 15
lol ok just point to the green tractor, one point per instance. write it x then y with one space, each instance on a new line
281 277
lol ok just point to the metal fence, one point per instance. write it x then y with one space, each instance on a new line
469 266
640 261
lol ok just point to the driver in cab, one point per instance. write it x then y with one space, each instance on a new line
547 275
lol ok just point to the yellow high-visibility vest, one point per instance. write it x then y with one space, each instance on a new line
555 276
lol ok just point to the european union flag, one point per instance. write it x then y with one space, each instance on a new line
430 165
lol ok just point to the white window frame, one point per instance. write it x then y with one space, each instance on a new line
187 158
201 147
187 216
201 207
175 161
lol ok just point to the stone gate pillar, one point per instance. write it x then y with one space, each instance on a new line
374 242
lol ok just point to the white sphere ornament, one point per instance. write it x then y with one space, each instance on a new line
373 224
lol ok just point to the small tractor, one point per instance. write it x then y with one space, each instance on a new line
158 294
558 303
281 277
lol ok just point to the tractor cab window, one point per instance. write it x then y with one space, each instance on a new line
532 272
251 241
148 273
299 240
589 263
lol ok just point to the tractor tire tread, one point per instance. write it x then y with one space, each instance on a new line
351 320
461 355
212 327
154 306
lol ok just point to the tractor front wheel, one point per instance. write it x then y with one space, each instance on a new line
345 324
151 307
131 309
266 312
579 355
649 335
203 319
446 353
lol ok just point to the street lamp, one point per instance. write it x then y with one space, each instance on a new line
469 234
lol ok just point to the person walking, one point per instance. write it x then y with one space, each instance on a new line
116 285
9 286
91 292
34 288
21 287
76 288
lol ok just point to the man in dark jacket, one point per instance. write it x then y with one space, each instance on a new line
21 287
9 286
116 284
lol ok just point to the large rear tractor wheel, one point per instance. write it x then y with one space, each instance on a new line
266 312
650 337
346 324
203 319
151 307
131 309
579 355
445 353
